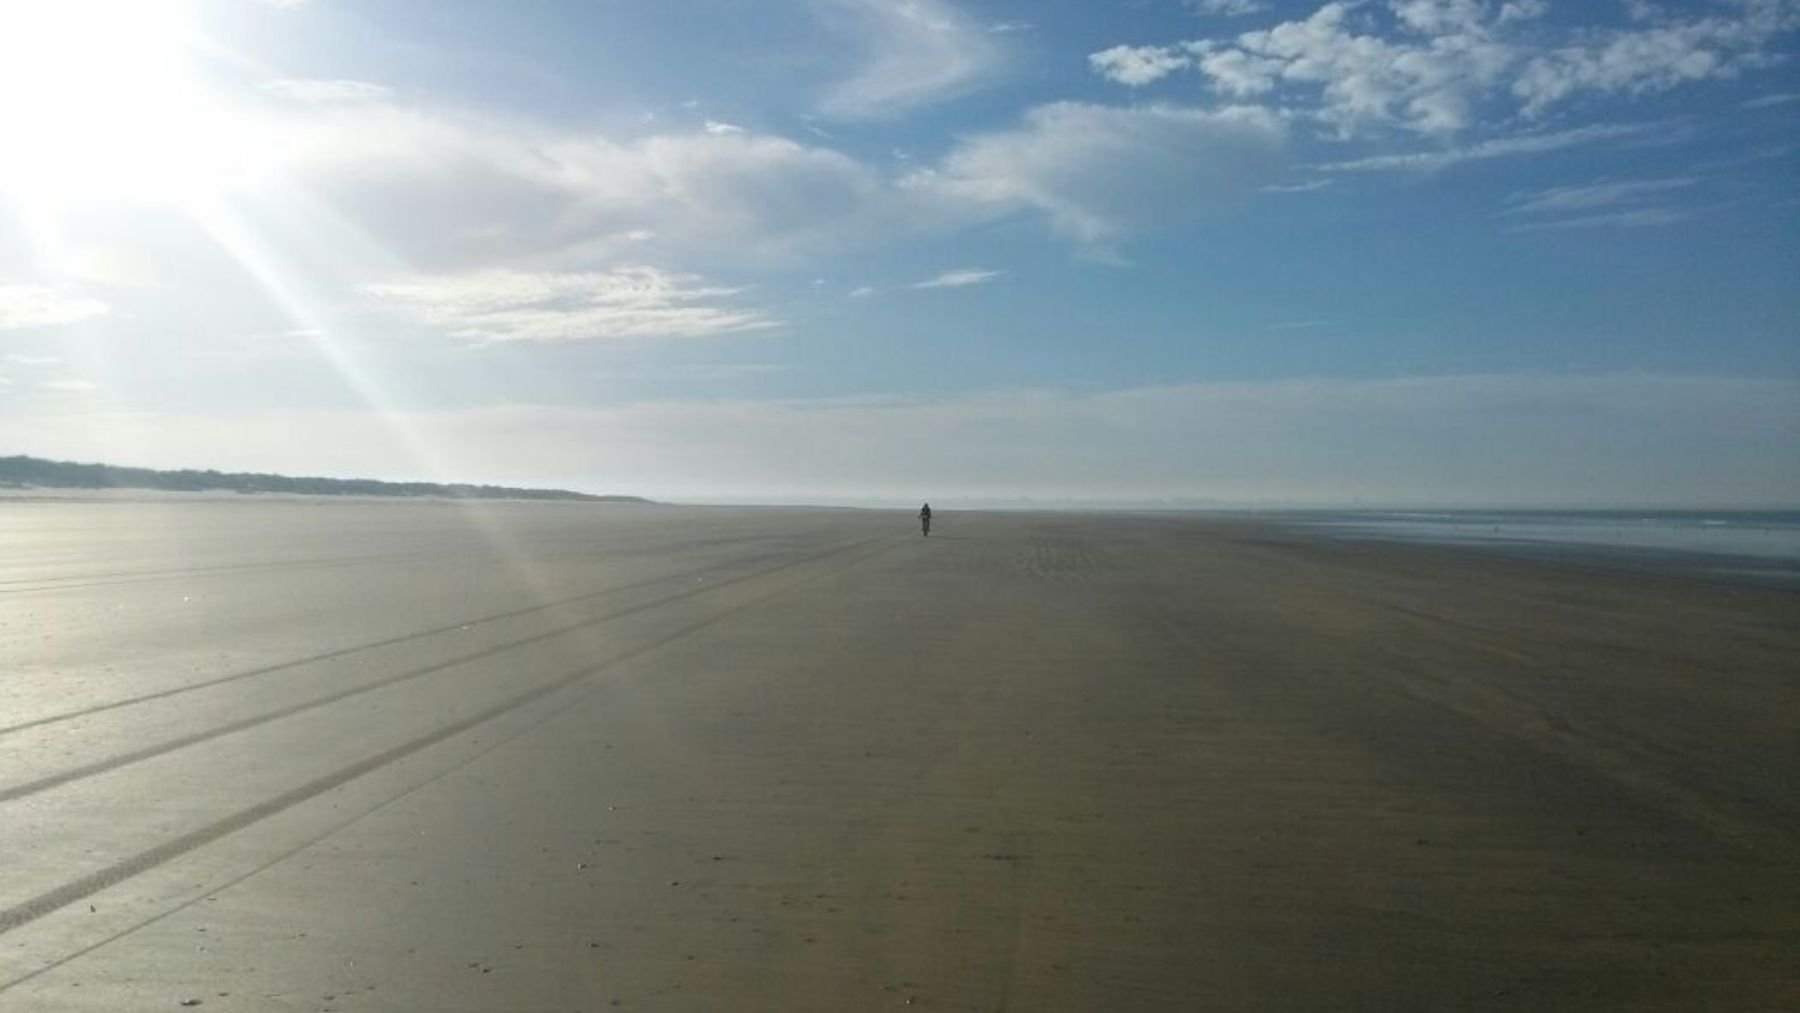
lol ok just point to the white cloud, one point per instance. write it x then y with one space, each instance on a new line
449 191
862 291
960 278
1306 187
24 306
1441 17
719 127
1236 73
1499 147
516 191
1228 8
1595 440
1100 171
1656 58
1136 66
1523 10
1436 66
317 90
503 305
1562 199
726 190
1427 77
1776 99
914 52
1634 218
67 385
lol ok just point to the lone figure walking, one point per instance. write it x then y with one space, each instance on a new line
925 521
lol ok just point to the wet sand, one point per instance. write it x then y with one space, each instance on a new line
282 755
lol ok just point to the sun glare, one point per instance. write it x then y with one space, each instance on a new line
101 101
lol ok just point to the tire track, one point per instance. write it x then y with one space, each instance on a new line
88 885
371 645
31 585
167 746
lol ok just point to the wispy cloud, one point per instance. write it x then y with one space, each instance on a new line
1777 99
1228 8
1499 147
1634 218
1606 193
324 91
915 52
634 302
1306 187
68 385
1611 203
27 306
447 189
1100 171
959 278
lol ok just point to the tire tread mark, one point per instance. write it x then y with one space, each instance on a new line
32 585
367 646
214 889
30 910
118 760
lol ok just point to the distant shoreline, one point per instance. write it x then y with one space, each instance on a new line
23 474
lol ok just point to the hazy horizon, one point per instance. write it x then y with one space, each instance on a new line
1406 253
953 501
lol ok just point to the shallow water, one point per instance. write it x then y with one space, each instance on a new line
1763 544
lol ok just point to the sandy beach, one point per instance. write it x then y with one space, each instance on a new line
294 755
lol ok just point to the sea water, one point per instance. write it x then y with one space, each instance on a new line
1750 543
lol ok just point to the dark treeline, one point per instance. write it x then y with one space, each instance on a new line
40 473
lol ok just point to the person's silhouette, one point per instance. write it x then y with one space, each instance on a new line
925 520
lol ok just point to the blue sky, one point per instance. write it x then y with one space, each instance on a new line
1215 251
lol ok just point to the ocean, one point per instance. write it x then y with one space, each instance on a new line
1762 545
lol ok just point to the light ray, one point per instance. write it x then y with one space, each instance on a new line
303 222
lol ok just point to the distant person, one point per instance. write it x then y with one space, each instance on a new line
925 520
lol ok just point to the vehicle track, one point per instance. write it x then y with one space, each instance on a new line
374 645
167 746
78 889
29 585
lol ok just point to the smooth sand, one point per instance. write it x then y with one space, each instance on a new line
273 755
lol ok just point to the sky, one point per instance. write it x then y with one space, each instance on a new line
1183 252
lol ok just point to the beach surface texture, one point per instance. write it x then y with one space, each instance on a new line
285 754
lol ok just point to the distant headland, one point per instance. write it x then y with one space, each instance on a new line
39 473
